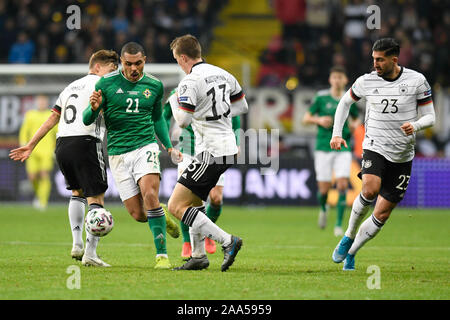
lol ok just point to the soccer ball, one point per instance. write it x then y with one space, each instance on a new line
99 222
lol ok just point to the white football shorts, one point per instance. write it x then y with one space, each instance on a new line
129 167
327 162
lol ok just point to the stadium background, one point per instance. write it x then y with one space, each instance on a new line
281 52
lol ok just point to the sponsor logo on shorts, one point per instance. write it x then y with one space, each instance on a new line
367 164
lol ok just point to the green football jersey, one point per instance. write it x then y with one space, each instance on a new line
130 110
325 105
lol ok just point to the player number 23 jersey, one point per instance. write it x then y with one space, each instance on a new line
390 104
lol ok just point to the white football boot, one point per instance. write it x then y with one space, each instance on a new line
77 253
94 262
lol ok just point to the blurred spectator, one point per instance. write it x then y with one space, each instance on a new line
22 50
161 54
8 36
355 19
42 50
105 23
317 17
292 13
338 34
120 21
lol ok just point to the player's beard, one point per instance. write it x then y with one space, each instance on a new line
386 73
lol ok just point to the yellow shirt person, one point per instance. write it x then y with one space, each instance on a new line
40 163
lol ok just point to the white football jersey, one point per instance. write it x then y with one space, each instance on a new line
391 103
70 105
207 92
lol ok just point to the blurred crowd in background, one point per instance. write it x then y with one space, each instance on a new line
316 34
36 32
319 34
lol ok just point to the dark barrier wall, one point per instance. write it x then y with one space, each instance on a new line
293 184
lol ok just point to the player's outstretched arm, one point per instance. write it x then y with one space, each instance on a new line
341 114
23 153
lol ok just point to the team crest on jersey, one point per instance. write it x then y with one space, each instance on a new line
403 88
183 89
147 93
367 163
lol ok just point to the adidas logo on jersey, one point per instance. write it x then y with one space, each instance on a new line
375 91
184 175
119 90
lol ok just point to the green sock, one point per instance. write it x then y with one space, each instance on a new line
185 232
341 204
157 222
213 212
322 200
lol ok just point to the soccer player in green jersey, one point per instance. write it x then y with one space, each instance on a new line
327 160
215 199
131 104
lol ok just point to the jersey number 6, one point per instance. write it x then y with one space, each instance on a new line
70 107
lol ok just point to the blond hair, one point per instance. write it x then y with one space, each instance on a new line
187 45
104 57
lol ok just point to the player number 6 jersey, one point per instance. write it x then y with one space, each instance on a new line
70 105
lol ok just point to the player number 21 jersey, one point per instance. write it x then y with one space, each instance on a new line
207 92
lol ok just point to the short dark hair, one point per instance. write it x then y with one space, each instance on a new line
390 46
104 57
132 48
339 69
188 45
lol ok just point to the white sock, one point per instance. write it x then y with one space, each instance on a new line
201 223
77 207
359 210
197 243
91 245
368 230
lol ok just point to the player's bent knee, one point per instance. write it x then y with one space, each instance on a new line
172 207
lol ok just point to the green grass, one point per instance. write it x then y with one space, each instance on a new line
285 256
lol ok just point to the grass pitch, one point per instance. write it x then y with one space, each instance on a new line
285 256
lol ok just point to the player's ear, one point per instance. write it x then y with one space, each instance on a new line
97 67
394 59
